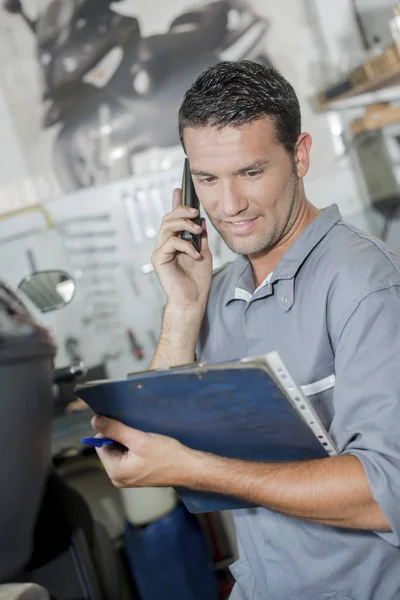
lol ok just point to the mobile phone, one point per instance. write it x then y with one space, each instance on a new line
189 198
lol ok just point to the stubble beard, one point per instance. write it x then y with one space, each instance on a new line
268 238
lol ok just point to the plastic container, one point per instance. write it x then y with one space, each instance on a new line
144 505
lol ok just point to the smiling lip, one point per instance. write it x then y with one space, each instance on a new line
240 227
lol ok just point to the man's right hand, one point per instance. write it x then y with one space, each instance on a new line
185 275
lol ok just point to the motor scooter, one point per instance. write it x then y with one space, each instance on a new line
48 535
115 94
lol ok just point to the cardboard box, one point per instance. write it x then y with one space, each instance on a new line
376 117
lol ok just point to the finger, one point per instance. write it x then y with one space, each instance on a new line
113 429
204 236
171 227
113 465
76 405
181 212
176 198
171 248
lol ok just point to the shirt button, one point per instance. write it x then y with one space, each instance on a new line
285 300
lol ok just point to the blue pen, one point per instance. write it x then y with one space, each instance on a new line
99 442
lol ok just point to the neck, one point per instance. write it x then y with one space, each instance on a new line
262 264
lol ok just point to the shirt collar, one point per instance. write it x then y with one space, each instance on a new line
241 274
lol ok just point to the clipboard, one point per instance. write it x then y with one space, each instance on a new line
250 409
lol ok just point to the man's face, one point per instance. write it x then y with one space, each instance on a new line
246 182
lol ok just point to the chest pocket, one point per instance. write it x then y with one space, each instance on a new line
320 394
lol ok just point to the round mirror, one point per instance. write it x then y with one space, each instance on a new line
48 290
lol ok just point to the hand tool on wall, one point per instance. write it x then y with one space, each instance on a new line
95 280
146 209
136 347
21 236
107 326
95 293
133 218
91 249
104 265
32 261
83 218
102 315
157 203
99 305
91 234
130 274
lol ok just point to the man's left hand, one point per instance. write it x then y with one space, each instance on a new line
151 460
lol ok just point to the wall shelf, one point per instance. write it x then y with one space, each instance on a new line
376 80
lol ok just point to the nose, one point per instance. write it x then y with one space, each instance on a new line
231 201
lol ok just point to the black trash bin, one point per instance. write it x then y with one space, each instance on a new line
26 376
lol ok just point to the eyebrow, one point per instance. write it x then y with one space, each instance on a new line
258 164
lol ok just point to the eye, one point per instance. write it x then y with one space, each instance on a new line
207 180
252 174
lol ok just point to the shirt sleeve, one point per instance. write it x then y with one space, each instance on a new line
367 398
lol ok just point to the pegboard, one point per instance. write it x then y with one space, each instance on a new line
104 238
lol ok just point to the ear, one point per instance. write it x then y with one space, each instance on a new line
302 154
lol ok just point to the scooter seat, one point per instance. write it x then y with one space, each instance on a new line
194 31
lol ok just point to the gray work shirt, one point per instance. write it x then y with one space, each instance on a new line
332 311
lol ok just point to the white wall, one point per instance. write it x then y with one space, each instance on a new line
12 163
375 15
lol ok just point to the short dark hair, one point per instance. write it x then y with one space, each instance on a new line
235 93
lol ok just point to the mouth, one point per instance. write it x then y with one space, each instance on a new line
240 227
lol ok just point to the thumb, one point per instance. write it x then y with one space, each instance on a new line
112 429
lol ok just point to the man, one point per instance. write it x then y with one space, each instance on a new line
327 298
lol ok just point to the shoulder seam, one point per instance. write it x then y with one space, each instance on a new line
383 286
363 236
